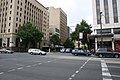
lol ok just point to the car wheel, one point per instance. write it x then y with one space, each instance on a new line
116 56
100 55
31 53
39 53
76 54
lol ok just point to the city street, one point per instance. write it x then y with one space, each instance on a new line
57 66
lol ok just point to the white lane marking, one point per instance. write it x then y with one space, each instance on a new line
20 68
70 79
73 75
28 66
105 72
39 63
11 70
113 67
48 61
1 73
20 65
34 65
76 72
115 75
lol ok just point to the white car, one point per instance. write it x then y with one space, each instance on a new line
36 51
8 51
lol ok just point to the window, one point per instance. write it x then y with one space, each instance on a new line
106 11
10 12
103 31
20 20
16 25
11 1
17 13
9 24
115 11
17 7
9 18
20 9
116 30
10 6
20 14
98 11
8 30
16 18
21 3
18 1
15 30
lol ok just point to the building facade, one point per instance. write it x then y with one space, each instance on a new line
58 19
109 21
14 13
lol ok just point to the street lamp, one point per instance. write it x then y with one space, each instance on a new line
101 44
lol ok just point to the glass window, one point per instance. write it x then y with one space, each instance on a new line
9 18
115 11
10 6
103 31
116 30
9 24
106 11
98 11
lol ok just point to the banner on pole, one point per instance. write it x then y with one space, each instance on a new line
80 35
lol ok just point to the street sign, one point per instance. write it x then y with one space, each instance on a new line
80 35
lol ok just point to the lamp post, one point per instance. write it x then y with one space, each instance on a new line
101 44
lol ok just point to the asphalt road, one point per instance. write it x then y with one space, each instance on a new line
57 66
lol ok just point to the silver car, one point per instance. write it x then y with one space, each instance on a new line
36 51
8 51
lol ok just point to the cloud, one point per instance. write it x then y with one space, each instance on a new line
76 10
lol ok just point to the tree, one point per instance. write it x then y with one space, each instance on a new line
55 40
83 27
29 34
68 44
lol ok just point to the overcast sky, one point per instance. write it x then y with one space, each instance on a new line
76 10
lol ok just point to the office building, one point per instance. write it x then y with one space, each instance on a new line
110 23
58 19
14 13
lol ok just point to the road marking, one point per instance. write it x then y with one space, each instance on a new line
76 72
48 61
39 63
105 72
20 65
1 73
28 66
113 67
34 65
11 70
20 68
70 79
73 75
115 75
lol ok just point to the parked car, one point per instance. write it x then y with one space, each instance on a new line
8 51
62 50
68 50
107 52
36 51
77 52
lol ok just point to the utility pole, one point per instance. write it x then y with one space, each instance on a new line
101 44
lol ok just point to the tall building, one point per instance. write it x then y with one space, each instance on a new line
108 23
58 19
14 13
